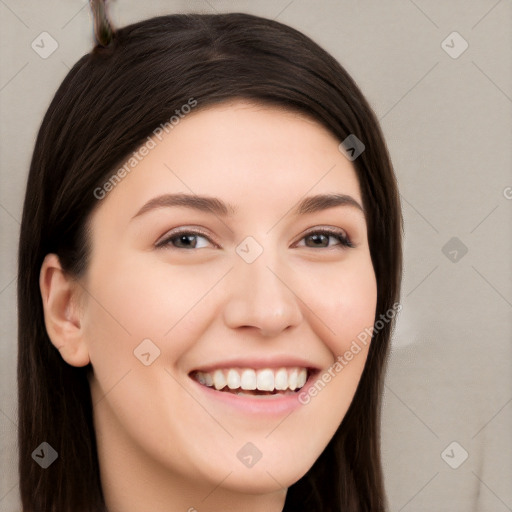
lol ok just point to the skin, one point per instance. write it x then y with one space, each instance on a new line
162 444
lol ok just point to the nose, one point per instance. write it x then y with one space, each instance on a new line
262 297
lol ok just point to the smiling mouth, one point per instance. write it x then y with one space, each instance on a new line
251 382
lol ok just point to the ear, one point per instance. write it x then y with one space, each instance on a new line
61 303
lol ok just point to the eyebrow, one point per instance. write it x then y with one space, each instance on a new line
195 202
214 205
325 201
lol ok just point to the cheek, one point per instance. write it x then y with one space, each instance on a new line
131 301
345 303
346 306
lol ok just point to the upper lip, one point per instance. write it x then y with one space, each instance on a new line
259 363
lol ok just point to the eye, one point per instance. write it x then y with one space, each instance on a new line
321 237
184 240
189 239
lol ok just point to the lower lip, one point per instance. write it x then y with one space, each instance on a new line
267 405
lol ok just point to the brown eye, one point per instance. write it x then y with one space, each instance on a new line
321 238
183 240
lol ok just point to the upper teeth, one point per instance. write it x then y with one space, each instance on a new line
265 379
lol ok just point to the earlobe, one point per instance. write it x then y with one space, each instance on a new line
62 315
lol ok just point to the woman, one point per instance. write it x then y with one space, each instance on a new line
210 264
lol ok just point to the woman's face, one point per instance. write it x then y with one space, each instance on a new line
208 257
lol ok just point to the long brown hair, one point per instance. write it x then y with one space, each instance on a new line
112 99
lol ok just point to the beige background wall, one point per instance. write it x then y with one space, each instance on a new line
448 124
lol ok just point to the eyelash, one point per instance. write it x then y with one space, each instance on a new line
344 240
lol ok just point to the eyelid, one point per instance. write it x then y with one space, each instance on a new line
164 239
345 240
329 231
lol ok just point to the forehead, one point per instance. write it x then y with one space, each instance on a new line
247 153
